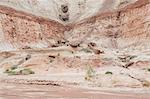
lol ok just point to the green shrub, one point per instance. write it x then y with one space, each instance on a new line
89 73
13 68
13 73
26 72
18 71
108 72
6 71
86 50
148 69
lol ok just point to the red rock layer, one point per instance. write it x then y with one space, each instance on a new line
125 28
25 29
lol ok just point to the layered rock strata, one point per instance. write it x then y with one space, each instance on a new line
125 27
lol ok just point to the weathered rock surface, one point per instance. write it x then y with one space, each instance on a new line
78 9
110 24
127 28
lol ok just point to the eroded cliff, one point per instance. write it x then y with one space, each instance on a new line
126 28
122 24
53 36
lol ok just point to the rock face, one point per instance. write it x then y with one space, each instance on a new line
110 24
77 9
111 36
19 30
127 28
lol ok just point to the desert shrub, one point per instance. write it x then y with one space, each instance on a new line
13 67
11 71
107 59
148 69
90 73
26 71
146 83
18 71
86 50
123 2
108 72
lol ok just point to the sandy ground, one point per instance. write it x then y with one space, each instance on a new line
20 91
59 72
